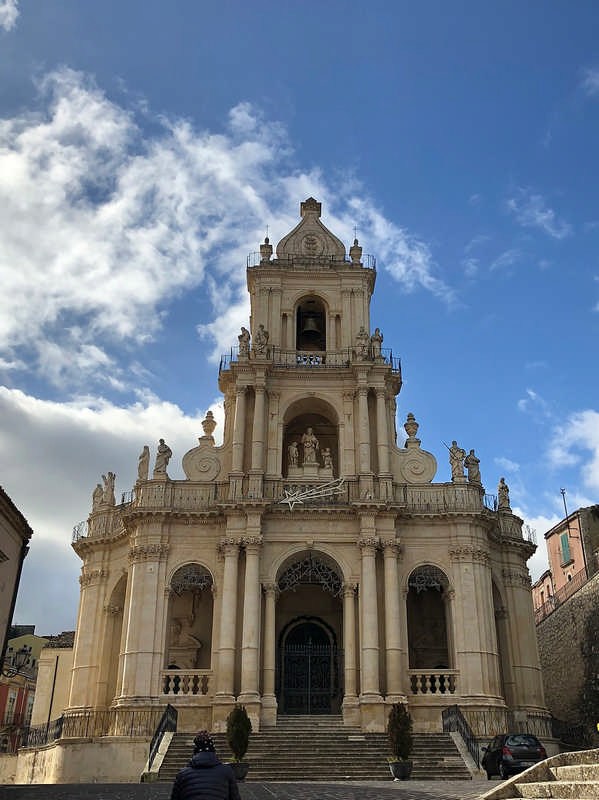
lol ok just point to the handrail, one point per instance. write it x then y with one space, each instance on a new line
304 261
167 724
454 720
563 593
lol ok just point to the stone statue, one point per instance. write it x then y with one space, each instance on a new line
108 491
362 344
184 636
143 464
261 340
244 342
327 460
310 445
376 340
97 496
163 456
456 460
503 496
471 463
293 454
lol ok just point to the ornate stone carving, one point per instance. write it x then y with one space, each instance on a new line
92 576
456 461
208 425
362 344
244 343
261 341
163 456
349 589
310 238
376 340
469 553
143 464
503 496
271 588
148 552
391 546
310 445
516 579
112 611
97 496
471 462
108 491
252 541
413 464
367 542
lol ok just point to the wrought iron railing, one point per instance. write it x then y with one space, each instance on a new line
299 260
487 723
320 359
167 724
454 720
575 736
40 735
578 581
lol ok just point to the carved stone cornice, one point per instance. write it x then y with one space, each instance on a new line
469 553
155 551
92 576
516 578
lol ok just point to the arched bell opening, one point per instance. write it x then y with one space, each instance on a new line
311 328
309 629
189 630
428 624
310 441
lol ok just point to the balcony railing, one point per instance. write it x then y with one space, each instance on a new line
578 580
431 682
301 261
185 682
321 359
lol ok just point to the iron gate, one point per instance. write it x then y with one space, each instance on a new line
308 678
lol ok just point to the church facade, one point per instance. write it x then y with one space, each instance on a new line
309 564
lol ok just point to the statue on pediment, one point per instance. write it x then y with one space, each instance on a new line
108 491
97 496
163 456
143 464
471 462
244 343
261 341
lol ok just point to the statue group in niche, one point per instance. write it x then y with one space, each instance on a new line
369 346
310 446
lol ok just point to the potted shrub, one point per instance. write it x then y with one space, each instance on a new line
239 728
399 730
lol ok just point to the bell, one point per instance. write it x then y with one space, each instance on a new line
311 327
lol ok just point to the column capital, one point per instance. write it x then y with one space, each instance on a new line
252 543
240 389
271 589
229 545
391 547
368 543
259 388
362 390
380 391
349 589
155 551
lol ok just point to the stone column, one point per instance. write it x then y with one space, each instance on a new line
273 454
347 328
392 622
347 445
363 430
350 701
382 437
236 478
250 642
143 654
228 619
85 655
269 700
257 470
370 697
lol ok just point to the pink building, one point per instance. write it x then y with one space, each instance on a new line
573 551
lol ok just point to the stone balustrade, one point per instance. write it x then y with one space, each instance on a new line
426 682
185 682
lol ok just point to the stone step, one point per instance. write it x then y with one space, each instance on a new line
577 772
575 790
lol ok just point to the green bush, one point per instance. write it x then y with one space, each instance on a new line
399 730
239 728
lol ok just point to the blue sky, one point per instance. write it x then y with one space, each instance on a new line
145 147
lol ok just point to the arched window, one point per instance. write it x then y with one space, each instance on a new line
427 627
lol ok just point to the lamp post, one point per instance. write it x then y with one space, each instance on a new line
19 661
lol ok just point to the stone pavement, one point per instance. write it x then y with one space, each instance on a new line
374 790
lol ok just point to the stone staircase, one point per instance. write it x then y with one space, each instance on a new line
567 776
321 748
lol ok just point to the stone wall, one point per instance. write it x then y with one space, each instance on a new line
560 638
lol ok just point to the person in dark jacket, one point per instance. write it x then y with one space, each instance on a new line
205 777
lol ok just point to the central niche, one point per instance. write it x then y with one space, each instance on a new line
311 325
310 449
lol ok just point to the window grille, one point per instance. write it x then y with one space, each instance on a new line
311 570
191 577
427 577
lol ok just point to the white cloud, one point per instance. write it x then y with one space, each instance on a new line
533 403
590 82
507 465
53 454
123 223
531 211
9 11
470 267
576 444
506 259
539 562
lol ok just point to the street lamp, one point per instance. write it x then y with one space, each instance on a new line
19 661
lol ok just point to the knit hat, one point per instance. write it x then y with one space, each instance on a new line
202 742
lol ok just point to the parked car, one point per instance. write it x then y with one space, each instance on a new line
510 753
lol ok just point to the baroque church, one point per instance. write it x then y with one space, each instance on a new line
308 565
